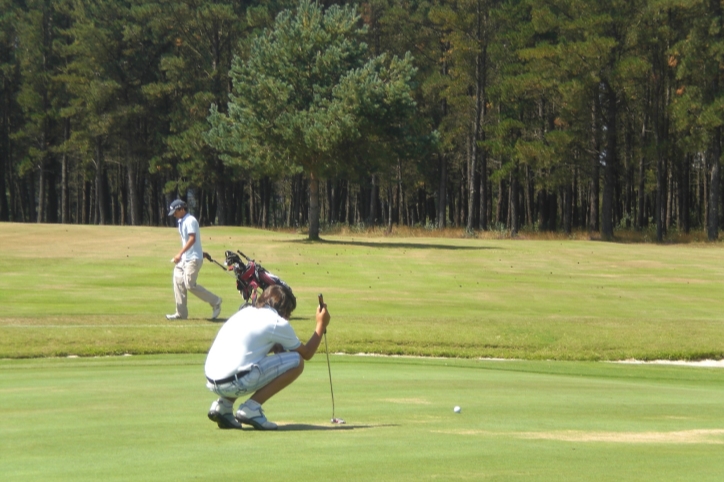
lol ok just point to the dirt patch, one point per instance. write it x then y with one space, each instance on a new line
699 436
680 437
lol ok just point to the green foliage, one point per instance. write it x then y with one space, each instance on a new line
698 106
306 90
121 93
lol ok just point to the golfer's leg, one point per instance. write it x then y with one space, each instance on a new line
179 290
278 384
192 273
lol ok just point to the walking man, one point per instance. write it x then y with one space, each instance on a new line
257 354
188 263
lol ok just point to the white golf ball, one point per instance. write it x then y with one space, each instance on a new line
457 409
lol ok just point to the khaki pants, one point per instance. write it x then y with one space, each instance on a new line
184 280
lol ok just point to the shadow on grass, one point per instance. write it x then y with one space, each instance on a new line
224 320
297 427
396 245
217 320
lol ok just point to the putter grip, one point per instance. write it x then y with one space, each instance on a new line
321 305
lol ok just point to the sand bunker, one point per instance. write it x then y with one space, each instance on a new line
702 363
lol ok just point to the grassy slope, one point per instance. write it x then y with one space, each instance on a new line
103 290
143 418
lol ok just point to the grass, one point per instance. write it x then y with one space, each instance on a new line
558 304
86 290
143 418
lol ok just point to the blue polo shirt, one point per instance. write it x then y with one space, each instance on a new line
189 225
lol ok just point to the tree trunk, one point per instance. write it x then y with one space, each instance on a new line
611 161
390 208
501 206
42 171
670 195
51 209
712 230
373 195
313 207
568 207
474 210
442 193
543 210
347 213
64 191
86 209
595 173
641 218
101 185
5 155
252 204
133 197
552 211
684 196
528 195
513 210
266 187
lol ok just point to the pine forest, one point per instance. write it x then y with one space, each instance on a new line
510 115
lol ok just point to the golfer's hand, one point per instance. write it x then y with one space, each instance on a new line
176 259
323 316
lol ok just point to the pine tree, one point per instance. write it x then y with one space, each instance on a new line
38 97
699 106
9 85
306 93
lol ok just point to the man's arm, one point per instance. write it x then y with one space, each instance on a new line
307 350
187 246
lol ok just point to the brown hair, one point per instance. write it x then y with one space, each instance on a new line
280 298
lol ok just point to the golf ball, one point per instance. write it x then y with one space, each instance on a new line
457 409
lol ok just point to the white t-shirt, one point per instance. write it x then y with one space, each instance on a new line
245 339
189 225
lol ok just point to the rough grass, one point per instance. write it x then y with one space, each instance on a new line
647 235
87 290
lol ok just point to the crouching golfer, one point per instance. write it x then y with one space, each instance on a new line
257 353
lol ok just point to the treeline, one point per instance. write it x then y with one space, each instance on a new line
542 114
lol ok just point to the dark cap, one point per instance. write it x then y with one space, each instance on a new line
175 206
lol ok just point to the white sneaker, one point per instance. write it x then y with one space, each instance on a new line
254 418
217 310
223 420
175 316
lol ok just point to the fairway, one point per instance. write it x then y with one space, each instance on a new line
90 290
95 384
144 418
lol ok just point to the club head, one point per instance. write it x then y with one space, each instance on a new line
338 420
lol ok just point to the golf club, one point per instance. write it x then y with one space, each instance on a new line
208 256
329 368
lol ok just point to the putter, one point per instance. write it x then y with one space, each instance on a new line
329 368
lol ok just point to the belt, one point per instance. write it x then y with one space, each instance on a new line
221 381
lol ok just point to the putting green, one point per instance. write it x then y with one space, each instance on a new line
144 418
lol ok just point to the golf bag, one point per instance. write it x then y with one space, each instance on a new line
250 275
